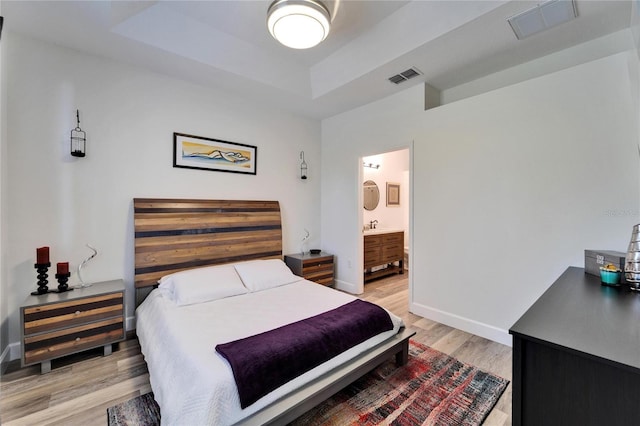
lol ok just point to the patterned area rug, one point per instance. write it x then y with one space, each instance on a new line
139 411
432 389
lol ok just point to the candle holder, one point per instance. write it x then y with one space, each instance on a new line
42 269
62 283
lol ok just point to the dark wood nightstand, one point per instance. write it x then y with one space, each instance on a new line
313 267
53 325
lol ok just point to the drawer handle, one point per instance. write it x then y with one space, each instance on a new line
77 339
77 313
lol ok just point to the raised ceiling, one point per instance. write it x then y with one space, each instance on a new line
226 44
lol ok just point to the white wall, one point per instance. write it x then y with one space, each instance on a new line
509 188
341 217
129 115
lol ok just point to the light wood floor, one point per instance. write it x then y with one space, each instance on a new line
80 388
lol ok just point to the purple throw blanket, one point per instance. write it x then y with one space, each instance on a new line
266 361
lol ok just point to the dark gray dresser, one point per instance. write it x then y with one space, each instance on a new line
576 355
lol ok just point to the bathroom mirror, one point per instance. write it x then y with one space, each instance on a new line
371 195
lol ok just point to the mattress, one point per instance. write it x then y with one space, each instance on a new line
192 383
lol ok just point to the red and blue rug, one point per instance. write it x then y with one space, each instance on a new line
432 389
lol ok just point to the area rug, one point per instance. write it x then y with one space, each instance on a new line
139 411
432 389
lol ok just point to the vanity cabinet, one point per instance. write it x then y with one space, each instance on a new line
383 249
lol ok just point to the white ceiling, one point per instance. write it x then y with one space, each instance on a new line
226 43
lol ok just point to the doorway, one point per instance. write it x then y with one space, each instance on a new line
385 215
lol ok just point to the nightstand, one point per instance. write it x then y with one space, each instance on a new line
53 325
313 267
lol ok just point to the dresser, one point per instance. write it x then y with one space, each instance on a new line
57 324
576 355
383 249
318 268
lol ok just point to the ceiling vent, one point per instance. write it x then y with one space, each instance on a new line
542 17
404 75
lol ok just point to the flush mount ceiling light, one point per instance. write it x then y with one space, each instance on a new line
299 24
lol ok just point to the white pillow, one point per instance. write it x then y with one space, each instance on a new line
260 275
203 284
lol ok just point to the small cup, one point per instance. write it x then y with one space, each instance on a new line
610 277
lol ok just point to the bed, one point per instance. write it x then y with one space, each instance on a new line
203 249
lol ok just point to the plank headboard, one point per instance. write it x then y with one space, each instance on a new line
172 235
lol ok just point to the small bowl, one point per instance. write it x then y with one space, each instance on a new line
610 277
315 251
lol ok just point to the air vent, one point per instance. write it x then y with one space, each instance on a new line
404 75
542 17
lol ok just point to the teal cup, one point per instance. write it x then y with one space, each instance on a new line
609 277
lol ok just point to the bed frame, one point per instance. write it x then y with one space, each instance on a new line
172 235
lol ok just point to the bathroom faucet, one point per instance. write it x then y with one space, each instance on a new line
372 224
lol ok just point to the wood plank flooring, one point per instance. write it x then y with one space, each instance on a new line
81 387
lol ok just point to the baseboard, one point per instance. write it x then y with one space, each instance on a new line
12 352
346 286
130 323
4 359
465 324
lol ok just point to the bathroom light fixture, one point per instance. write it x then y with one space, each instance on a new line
299 24
371 165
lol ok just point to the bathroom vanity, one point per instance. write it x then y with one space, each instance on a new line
382 249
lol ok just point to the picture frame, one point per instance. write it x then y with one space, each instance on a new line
393 194
197 152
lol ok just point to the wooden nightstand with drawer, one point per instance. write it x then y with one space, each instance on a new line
57 324
318 268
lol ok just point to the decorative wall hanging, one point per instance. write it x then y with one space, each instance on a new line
303 166
393 194
78 139
196 152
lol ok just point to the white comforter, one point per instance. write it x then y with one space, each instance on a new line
191 382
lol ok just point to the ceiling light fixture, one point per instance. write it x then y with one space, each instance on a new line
299 24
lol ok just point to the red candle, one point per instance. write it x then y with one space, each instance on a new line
63 268
42 255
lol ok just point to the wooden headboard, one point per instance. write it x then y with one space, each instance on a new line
172 235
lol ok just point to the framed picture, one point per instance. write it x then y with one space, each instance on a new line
196 152
393 194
